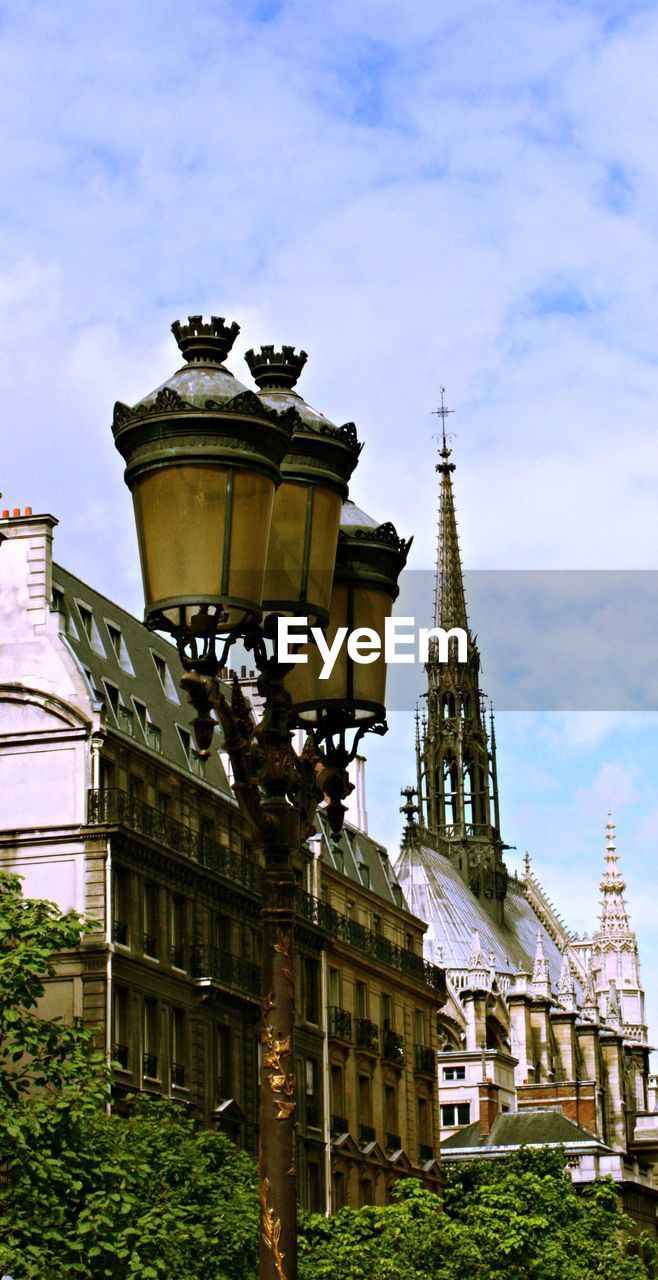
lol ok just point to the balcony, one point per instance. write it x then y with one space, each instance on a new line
109 806
344 929
177 955
366 1134
393 1048
393 1142
425 1060
425 1153
211 964
340 1023
367 1034
339 1126
178 1074
120 933
120 1055
150 1066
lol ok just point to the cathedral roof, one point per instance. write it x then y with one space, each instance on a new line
436 892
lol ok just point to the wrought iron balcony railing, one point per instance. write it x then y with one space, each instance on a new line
393 1047
393 1142
178 1074
366 1133
367 1034
112 807
343 928
425 1153
150 1066
230 971
120 1055
340 1023
339 1126
425 1060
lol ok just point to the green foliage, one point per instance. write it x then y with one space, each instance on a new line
37 1053
144 1196
517 1219
124 1197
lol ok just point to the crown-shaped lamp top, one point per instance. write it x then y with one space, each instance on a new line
205 341
272 368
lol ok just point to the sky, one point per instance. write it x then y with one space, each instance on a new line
461 194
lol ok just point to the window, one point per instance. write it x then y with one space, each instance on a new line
361 1000
313 1179
164 675
151 919
377 925
151 1038
337 1089
454 1114
423 1121
108 777
311 971
207 833
178 1047
386 1012
364 1099
390 1109
223 933
120 906
120 1049
338 1192
454 1073
224 1063
334 987
163 802
118 646
142 714
136 788
112 697
364 871
311 1090
90 628
87 620
365 1192
178 914
419 1027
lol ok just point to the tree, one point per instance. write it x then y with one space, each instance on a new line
35 1052
85 1193
517 1219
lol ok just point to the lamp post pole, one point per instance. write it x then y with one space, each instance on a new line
240 504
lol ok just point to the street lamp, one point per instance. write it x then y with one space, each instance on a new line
241 512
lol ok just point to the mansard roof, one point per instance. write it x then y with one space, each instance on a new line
123 660
363 860
523 1128
436 892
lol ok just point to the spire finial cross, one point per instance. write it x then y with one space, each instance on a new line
442 413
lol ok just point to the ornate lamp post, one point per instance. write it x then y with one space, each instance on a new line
241 517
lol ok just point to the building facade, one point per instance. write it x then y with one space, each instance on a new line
537 1020
105 808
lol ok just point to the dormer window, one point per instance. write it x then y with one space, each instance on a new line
119 647
165 676
90 628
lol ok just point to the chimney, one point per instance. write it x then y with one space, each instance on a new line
488 1092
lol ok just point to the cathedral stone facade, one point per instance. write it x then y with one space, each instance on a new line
543 1038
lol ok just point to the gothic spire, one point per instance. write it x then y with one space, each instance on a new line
541 982
614 915
566 985
449 598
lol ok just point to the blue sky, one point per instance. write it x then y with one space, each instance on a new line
417 194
